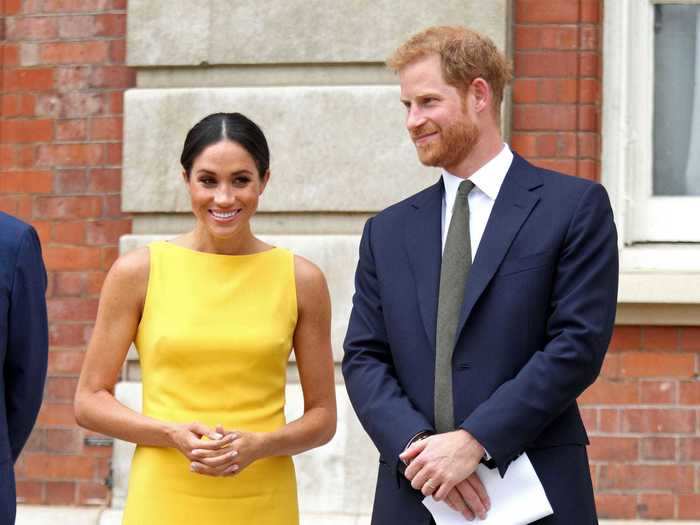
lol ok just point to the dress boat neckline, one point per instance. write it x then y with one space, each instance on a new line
222 255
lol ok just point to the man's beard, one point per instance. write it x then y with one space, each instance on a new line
452 145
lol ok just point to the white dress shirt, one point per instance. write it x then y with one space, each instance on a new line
487 183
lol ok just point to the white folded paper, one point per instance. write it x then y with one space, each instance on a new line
516 499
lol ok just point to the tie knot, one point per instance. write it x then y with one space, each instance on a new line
465 187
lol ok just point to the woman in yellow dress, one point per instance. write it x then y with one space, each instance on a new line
214 315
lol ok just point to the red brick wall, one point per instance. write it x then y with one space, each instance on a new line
642 412
642 416
556 90
63 78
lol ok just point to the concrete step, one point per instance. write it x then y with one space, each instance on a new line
44 515
41 515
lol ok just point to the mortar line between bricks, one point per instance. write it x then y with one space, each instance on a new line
69 40
65 14
560 77
646 406
645 463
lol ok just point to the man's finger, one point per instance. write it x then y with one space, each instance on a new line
478 487
454 500
419 479
471 499
415 449
413 468
445 487
428 487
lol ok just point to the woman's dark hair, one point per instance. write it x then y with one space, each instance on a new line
226 126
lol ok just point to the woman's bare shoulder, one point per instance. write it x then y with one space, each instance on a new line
130 271
307 274
310 282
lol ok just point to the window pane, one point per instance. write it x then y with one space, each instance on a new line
676 100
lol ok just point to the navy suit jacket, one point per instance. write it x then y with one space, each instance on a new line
537 317
23 347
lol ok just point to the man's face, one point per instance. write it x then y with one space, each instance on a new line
437 118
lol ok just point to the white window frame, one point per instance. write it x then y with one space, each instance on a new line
659 236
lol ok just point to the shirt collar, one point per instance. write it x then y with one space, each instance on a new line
489 178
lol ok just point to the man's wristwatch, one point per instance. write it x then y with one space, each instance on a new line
415 439
419 437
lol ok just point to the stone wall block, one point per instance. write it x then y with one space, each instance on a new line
340 476
294 31
332 148
168 33
128 394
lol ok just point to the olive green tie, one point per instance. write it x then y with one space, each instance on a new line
456 261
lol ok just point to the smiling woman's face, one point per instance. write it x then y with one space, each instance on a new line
224 187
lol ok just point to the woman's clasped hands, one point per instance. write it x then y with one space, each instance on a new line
217 452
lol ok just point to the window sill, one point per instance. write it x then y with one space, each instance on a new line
659 285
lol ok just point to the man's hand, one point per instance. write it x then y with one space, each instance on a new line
440 462
469 498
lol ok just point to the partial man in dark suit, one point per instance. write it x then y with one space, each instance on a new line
484 304
23 348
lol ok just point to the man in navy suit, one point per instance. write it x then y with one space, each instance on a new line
484 304
23 348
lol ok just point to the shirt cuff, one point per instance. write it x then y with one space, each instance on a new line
487 460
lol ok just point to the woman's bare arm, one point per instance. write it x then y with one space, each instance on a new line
118 316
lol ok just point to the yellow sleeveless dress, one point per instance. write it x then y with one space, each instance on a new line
213 342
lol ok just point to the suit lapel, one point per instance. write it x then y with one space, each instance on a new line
513 205
423 236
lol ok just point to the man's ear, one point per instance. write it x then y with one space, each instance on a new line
481 92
